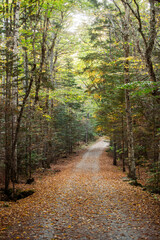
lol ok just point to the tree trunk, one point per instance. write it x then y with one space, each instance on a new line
15 90
8 134
115 153
131 158
123 144
86 137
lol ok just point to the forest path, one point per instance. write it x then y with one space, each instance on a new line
86 200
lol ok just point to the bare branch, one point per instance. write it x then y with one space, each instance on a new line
137 15
117 7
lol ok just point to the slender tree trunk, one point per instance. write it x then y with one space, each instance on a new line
151 40
8 134
123 145
43 56
87 119
115 153
2 90
15 90
131 158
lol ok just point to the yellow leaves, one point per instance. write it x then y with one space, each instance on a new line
157 66
97 96
48 117
97 80
99 128
41 226
112 117
39 108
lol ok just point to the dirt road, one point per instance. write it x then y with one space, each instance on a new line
87 200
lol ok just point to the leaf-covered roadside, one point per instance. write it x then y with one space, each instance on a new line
84 204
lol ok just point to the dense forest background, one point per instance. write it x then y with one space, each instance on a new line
73 69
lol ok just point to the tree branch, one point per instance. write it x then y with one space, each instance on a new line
138 17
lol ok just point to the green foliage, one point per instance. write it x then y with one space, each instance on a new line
104 65
154 181
42 102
